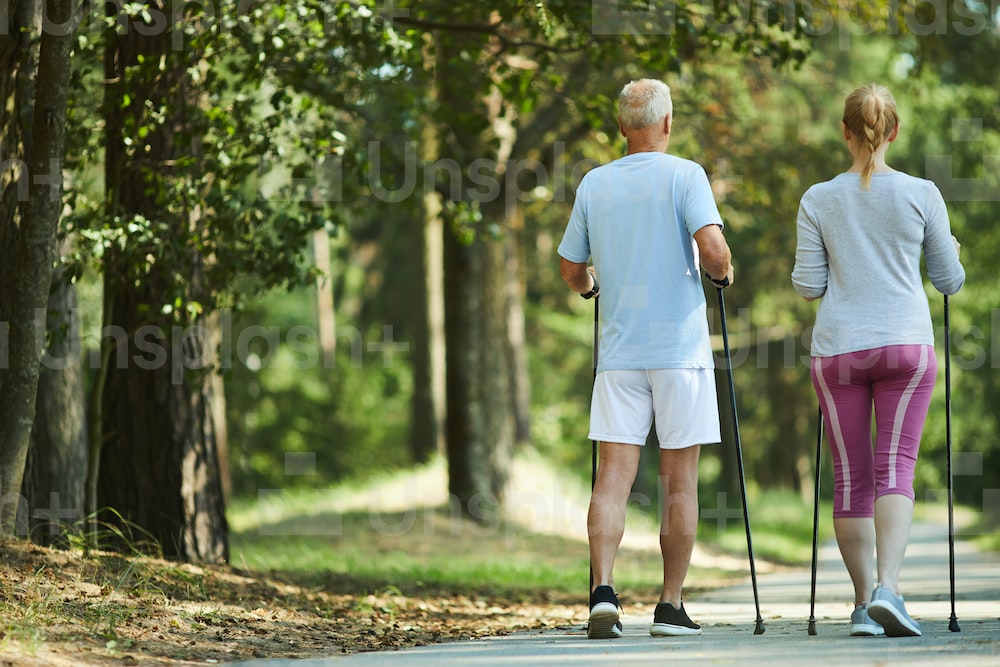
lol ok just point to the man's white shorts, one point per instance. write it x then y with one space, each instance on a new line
682 400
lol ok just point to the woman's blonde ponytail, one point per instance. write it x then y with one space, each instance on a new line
870 115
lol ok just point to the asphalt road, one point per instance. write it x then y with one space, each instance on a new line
728 617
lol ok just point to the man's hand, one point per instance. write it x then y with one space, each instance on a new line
580 278
722 282
595 291
714 255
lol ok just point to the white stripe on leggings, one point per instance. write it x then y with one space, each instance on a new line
904 403
836 435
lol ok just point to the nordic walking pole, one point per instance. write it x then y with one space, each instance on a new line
759 629
815 555
593 443
953 623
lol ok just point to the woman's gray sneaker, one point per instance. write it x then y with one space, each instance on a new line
888 609
863 626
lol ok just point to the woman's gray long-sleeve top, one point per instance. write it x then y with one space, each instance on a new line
860 251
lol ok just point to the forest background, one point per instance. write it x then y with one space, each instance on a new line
275 246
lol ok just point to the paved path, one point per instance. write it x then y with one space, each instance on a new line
728 618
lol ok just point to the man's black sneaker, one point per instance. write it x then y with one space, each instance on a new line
604 623
669 621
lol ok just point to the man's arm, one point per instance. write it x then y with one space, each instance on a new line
576 275
714 253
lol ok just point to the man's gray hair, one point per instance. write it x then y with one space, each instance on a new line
644 102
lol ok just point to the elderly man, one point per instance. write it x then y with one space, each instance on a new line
649 223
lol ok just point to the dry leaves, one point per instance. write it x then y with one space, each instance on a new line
65 608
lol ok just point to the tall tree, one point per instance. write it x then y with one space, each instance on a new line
14 55
185 230
158 460
28 236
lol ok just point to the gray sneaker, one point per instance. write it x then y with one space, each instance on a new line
863 626
888 609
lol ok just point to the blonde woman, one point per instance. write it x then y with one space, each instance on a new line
860 240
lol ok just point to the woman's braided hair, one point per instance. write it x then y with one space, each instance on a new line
870 115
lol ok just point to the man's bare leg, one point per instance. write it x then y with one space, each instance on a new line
606 518
679 521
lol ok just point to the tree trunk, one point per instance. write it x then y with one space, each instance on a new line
16 99
326 318
427 404
427 414
14 48
159 463
218 413
34 241
480 425
159 460
57 460
515 281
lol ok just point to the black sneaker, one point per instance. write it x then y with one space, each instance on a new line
669 621
604 606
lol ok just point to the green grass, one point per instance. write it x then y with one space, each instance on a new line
397 530
781 526
501 560
437 549
342 536
344 539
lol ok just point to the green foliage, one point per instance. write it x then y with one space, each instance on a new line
295 420
781 524
561 364
949 134
765 136
306 112
252 186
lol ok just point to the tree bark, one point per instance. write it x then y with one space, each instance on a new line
159 460
515 282
57 459
34 255
427 414
480 425
159 463
427 404
16 99
326 318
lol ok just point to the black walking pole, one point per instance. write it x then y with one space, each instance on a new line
815 556
593 443
953 623
759 629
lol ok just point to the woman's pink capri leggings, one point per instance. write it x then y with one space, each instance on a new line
898 381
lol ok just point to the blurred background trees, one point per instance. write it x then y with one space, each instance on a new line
307 241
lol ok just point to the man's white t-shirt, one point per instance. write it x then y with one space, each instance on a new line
636 218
